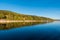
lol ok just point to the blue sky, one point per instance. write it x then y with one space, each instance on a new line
46 8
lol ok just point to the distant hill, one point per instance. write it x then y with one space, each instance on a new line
9 15
57 20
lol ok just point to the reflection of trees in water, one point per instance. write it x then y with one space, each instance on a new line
17 24
2 26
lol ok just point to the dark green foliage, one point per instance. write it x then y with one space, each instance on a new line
9 15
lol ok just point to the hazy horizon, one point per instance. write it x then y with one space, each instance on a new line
45 8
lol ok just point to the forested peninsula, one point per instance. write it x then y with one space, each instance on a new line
9 15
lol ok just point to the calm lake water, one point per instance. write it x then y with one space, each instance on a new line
48 31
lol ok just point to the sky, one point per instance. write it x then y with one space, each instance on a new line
45 8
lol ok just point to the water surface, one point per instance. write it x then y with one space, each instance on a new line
48 31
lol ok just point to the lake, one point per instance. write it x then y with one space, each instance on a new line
47 31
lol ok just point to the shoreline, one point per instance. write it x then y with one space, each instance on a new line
9 21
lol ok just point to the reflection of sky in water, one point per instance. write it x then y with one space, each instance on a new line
49 31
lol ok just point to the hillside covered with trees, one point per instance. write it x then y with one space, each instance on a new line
9 15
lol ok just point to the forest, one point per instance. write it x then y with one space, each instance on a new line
9 15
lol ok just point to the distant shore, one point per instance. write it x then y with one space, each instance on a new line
56 20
